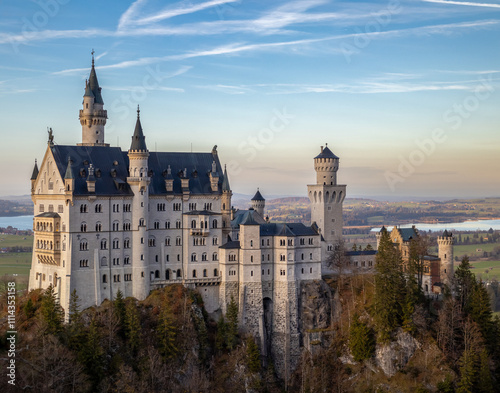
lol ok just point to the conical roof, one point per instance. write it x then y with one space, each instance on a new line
225 182
138 139
69 170
94 85
34 175
326 153
258 196
88 91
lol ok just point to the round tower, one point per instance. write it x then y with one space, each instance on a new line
326 165
445 253
93 116
327 197
139 180
226 205
259 203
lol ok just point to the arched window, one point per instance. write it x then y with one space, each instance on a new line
104 244
104 278
204 272
178 273
216 273
214 224
194 273
157 274
193 224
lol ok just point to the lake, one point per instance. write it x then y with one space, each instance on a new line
477 225
26 222
20 222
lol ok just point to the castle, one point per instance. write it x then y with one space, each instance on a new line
109 220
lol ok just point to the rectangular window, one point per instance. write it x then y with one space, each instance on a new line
41 208
60 209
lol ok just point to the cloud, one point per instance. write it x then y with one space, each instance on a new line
181 9
466 3
140 88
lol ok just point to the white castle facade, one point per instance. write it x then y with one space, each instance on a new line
109 220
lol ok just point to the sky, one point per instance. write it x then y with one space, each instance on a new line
406 93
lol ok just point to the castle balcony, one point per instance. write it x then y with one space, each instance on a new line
98 113
199 231
199 282
48 257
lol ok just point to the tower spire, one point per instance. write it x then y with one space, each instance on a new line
93 116
138 139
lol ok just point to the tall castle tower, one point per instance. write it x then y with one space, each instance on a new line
327 196
93 116
139 183
445 252
226 205
259 203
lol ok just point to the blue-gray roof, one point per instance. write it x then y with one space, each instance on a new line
258 196
408 233
225 182
243 215
94 85
138 139
231 244
326 153
197 166
362 252
289 229
34 174
111 169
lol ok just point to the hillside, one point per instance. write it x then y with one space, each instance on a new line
169 343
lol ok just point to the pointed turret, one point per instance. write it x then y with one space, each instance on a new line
94 84
34 175
93 117
225 182
69 170
259 203
226 210
69 178
138 139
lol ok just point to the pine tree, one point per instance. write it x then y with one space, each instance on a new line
232 324
479 309
75 329
361 340
253 355
220 338
91 355
485 382
465 281
468 372
29 309
74 308
52 312
413 288
166 333
119 309
389 288
132 327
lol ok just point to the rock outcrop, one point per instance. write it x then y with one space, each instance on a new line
394 356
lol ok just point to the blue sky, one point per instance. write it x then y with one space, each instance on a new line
405 92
